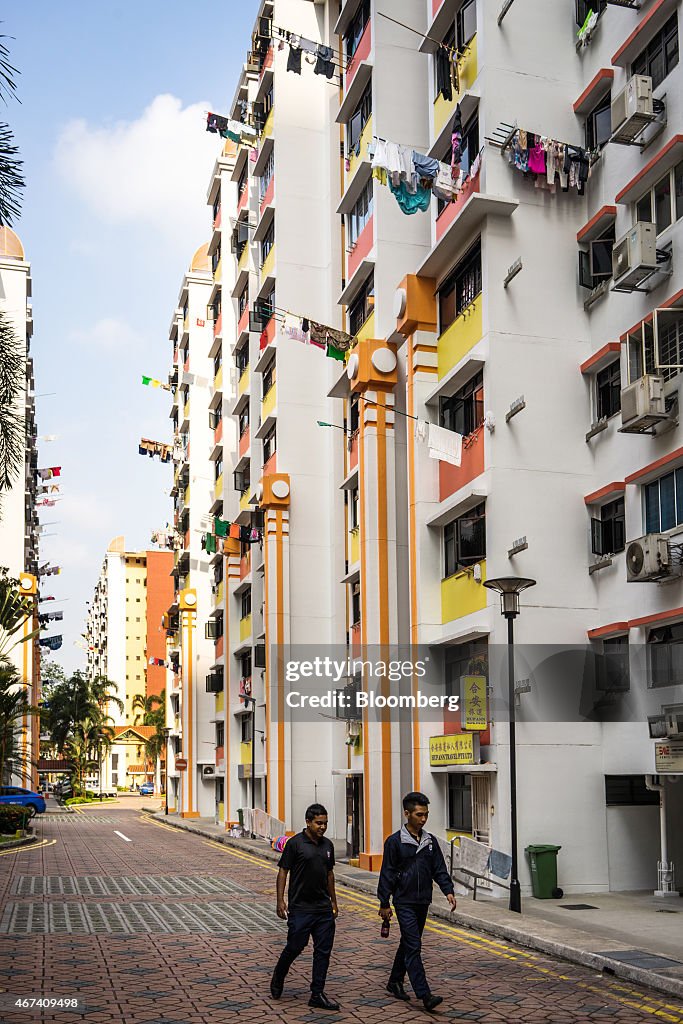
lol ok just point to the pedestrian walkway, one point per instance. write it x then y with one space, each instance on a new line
634 936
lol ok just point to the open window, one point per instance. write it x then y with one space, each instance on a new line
465 541
595 261
608 530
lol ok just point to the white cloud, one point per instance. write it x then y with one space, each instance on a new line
150 172
107 335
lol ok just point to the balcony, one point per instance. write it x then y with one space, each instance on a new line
218 325
218 379
245 565
218 271
245 628
363 247
360 154
453 210
467 73
218 489
268 126
218 648
243 383
354 546
220 702
268 196
243 444
218 433
268 402
270 465
452 478
462 595
268 266
353 451
463 334
218 596
243 322
243 199
245 753
362 54
245 505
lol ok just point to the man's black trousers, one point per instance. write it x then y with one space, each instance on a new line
411 920
301 925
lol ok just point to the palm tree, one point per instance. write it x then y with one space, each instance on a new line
15 609
87 744
14 705
11 176
12 417
153 709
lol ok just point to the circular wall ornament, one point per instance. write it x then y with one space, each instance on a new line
352 368
384 360
400 299
190 599
280 489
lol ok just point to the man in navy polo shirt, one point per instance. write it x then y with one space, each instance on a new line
308 858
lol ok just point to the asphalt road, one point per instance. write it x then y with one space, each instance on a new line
145 923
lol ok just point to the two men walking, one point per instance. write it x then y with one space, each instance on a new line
412 862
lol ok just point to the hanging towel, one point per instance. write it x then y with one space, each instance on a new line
215 123
421 431
444 82
294 59
445 445
411 202
293 328
443 185
324 64
425 166
235 531
221 528
537 163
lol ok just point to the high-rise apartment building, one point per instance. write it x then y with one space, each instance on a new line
19 532
535 319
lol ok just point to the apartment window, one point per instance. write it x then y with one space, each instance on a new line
459 802
215 307
246 725
267 175
246 604
629 791
608 390
245 666
244 420
354 414
216 206
665 650
362 306
268 242
465 541
469 151
240 237
660 56
360 214
663 204
612 667
213 629
353 508
585 7
268 101
217 362
358 121
663 502
466 23
355 604
215 417
242 301
608 533
269 444
220 734
463 412
460 288
595 262
218 467
243 179
442 68
216 257
599 124
242 359
354 33
268 377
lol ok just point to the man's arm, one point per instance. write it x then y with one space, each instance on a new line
280 884
387 879
441 874
333 895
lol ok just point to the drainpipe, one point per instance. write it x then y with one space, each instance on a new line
665 870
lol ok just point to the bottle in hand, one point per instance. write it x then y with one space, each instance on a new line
384 932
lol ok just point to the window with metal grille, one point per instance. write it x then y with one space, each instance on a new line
242 358
608 533
459 802
608 390
463 412
660 56
220 734
362 306
245 604
665 655
465 541
461 287
612 666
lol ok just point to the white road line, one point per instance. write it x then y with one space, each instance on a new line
117 833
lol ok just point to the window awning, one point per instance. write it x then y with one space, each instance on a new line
643 32
594 91
599 360
655 617
464 769
655 169
675 300
649 472
597 225
606 493
612 629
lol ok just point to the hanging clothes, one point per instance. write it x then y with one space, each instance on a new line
255 536
425 166
421 431
445 445
293 328
294 58
554 159
323 335
324 64
537 164
411 202
443 185
215 123
245 533
444 82
221 528
332 352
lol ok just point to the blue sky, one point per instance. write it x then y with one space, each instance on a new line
117 163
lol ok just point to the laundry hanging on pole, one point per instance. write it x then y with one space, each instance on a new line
445 445
153 448
153 383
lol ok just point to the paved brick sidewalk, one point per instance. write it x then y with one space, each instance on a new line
172 927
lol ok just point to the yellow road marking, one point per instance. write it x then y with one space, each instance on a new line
27 849
159 824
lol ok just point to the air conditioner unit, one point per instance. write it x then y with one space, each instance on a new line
633 107
634 256
674 724
208 771
648 558
643 404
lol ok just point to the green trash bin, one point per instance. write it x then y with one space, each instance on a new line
240 816
543 861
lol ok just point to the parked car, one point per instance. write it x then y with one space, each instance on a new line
147 789
25 797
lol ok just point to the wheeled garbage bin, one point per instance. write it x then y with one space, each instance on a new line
543 861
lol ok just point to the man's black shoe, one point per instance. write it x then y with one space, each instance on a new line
277 984
396 988
321 1002
431 1002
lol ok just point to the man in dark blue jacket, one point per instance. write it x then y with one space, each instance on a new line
412 861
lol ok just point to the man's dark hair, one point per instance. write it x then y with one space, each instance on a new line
413 800
314 811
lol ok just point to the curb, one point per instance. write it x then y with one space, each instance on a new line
26 841
638 975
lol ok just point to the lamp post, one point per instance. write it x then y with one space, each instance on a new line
167 733
509 588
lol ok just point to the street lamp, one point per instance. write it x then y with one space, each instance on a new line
167 732
509 588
